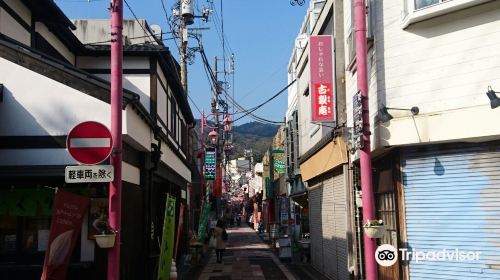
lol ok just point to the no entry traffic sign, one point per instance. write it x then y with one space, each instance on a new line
89 142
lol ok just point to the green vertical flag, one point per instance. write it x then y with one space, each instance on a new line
167 240
202 229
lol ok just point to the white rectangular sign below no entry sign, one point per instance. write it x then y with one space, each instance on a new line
89 174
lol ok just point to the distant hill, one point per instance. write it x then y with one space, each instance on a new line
253 135
258 129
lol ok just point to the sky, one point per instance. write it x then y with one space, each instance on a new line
260 33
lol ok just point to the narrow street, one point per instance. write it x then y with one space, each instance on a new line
247 256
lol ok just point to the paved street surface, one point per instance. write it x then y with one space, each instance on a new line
248 257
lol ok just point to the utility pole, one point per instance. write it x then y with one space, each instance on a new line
365 151
115 187
183 53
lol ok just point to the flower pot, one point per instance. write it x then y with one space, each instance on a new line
375 231
105 240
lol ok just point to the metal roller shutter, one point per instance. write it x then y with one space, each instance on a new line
315 227
328 220
340 233
452 201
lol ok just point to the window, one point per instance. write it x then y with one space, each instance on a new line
420 10
419 4
173 119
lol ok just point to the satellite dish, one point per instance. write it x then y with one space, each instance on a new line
156 29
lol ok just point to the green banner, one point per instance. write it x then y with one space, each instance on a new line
26 202
202 228
279 166
167 240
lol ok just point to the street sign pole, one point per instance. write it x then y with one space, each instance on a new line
115 187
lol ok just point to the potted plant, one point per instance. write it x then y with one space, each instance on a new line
375 228
106 238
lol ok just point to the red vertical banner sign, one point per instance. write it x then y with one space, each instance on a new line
68 212
218 182
321 87
179 229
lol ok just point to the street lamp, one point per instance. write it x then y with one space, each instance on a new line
213 137
227 124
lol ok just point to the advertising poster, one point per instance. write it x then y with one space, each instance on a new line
68 212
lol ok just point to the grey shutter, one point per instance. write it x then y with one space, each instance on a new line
452 201
315 227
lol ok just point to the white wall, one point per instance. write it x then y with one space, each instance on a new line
10 27
36 105
137 83
442 65
55 42
103 62
138 131
169 158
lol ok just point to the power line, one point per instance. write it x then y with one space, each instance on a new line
265 102
143 28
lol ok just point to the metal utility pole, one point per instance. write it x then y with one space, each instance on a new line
115 187
183 53
365 151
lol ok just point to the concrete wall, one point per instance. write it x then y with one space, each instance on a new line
97 31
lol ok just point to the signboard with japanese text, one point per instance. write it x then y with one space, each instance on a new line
321 85
358 126
167 239
67 216
88 173
210 163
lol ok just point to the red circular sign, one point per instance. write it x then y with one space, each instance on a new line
89 142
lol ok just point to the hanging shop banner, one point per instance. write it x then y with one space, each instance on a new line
167 239
210 163
202 228
68 212
179 228
279 166
218 182
321 85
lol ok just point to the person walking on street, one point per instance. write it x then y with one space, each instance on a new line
221 237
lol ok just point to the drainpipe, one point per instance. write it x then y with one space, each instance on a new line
365 152
115 187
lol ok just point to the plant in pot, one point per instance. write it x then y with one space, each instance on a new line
375 228
106 238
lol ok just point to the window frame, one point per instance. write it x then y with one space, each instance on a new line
413 15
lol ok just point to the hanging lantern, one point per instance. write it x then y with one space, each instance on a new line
228 124
213 137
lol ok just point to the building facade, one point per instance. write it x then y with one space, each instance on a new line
54 79
434 170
